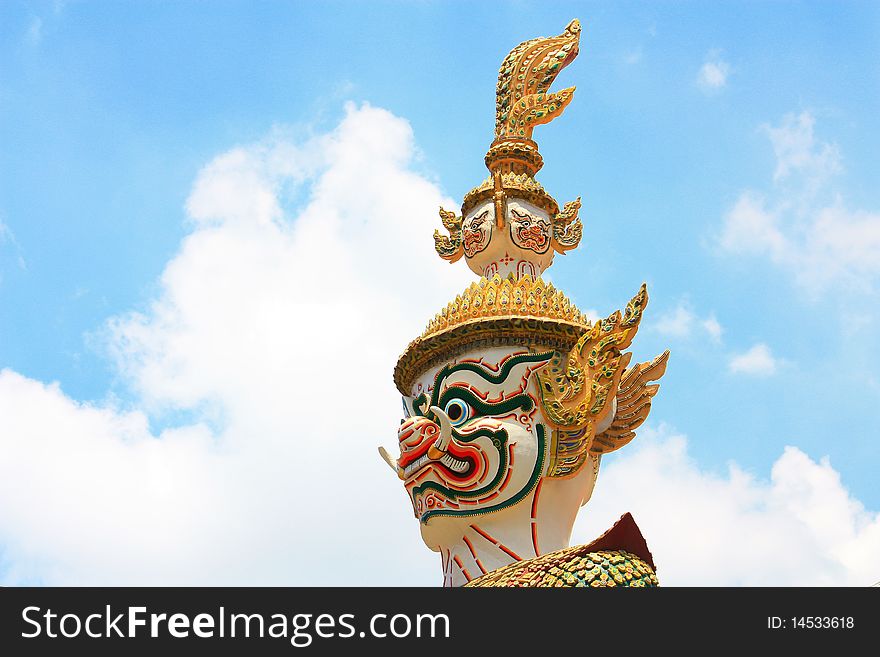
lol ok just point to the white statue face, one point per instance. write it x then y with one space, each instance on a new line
522 246
474 441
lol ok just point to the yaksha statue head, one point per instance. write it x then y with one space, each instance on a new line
511 395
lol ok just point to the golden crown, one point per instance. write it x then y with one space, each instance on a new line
494 312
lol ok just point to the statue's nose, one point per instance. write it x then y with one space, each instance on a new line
409 434
414 431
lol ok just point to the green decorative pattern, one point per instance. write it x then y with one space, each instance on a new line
573 567
525 490
483 373
499 441
522 100
578 387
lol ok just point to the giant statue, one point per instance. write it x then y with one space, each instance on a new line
512 395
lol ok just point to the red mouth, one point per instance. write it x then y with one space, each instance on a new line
458 464
472 239
415 455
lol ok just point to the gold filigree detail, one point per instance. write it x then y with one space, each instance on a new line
494 312
578 387
567 227
514 156
572 567
570 449
449 247
504 297
634 397
568 452
517 185
522 100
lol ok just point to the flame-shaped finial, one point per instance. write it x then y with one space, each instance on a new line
522 100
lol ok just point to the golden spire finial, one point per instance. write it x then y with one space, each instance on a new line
511 202
521 100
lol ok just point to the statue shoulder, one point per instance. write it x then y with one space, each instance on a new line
573 567
619 557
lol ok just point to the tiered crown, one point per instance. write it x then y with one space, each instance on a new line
494 312
515 307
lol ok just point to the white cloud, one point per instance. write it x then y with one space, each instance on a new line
13 253
713 74
683 323
803 226
281 330
678 323
712 327
750 227
277 329
758 360
6 234
800 528
798 151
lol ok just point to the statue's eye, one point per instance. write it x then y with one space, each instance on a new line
458 411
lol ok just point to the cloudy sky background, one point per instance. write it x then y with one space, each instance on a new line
215 240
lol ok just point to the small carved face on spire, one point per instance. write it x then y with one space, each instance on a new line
523 242
477 230
509 225
519 246
530 227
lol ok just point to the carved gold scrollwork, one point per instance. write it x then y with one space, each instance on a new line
522 100
578 387
449 247
634 397
567 227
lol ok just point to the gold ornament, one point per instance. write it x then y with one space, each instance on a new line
633 404
522 100
449 247
575 386
491 312
580 399
572 567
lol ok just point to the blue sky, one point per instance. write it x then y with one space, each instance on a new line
725 154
